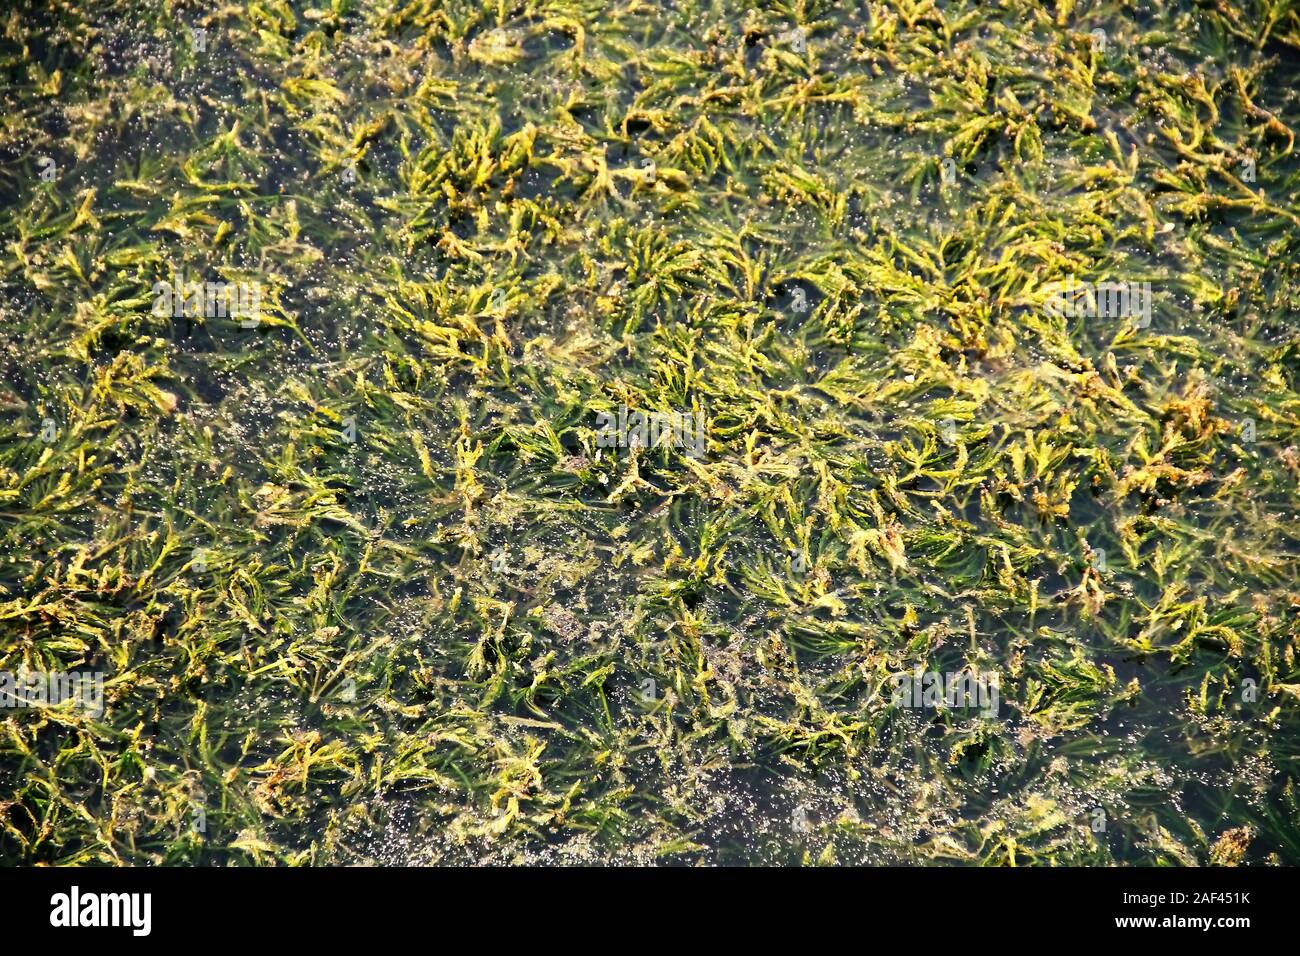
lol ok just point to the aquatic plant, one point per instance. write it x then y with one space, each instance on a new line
364 583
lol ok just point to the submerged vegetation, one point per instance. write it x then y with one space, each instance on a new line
365 585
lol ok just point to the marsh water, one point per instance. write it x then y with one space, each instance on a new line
365 586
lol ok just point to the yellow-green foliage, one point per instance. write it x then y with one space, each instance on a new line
366 587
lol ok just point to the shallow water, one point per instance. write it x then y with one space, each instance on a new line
437 622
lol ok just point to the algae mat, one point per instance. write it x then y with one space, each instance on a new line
564 431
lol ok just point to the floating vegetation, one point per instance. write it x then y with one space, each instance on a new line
560 431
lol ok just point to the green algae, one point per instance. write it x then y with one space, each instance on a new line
366 587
